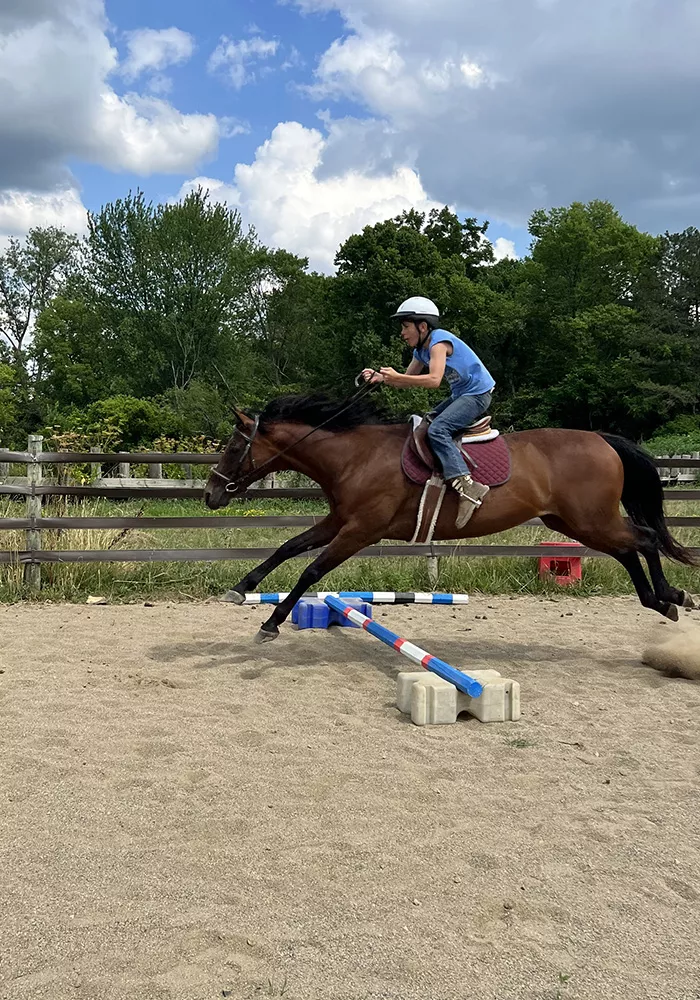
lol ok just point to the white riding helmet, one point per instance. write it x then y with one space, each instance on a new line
419 309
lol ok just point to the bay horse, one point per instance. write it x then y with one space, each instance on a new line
573 480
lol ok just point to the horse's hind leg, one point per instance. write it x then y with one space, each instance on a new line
618 539
662 588
649 548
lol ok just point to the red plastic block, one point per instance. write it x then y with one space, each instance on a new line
566 571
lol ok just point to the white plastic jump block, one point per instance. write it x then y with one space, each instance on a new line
431 701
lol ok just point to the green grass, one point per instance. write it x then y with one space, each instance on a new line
197 580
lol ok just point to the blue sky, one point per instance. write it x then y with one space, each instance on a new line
273 96
317 117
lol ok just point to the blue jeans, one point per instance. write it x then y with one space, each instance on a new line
453 415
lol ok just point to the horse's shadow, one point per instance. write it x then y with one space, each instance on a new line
340 647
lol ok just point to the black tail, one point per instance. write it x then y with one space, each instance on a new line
643 497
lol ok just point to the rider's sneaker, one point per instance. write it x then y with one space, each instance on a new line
471 496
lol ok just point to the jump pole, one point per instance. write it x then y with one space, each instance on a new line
468 685
371 596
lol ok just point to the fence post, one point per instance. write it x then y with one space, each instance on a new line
433 570
124 468
95 467
4 470
155 470
32 571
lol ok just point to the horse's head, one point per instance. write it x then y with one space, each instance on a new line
235 470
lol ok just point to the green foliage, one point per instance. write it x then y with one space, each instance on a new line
124 422
200 409
665 443
167 282
31 274
680 269
586 256
440 257
172 314
69 350
8 400
685 424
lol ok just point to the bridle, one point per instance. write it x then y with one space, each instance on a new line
248 438
239 486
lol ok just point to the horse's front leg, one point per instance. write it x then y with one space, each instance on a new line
350 539
313 538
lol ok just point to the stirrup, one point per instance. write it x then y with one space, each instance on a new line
461 484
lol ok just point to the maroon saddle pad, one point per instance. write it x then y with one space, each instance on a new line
488 461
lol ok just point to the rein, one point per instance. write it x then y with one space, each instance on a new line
234 486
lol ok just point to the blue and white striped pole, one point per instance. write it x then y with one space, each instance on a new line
469 685
371 596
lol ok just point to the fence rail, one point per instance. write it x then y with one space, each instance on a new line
203 458
182 492
34 489
440 550
156 492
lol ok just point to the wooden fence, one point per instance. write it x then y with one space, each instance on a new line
34 488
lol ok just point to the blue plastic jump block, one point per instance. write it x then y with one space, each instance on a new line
311 612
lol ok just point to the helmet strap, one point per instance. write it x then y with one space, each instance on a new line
422 340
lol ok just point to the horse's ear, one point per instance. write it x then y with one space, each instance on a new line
241 418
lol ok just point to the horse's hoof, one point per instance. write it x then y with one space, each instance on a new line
267 635
671 612
688 601
233 597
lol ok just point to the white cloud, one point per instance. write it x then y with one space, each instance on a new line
160 84
290 206
56 106
146 134
151 50
504 248
294 60
236 58
219 191
371 68
514 105
230 127
21 211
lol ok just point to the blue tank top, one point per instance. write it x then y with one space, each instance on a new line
467 375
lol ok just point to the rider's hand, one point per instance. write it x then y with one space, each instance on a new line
370 375
390 376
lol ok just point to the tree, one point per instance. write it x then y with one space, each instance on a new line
31 274
616 374
680 270
8 404
72 357
300 348
168 280
454 238
585 256
443 259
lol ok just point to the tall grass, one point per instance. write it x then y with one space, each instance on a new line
198 580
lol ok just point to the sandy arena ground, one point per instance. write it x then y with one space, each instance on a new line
187 815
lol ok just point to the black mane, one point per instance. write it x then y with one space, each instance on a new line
317 409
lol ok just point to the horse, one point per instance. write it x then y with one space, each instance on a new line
573 480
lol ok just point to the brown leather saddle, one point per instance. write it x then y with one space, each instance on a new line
484 450
418 439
